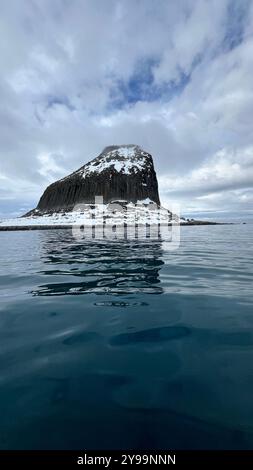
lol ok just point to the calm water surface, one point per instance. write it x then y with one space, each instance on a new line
126 344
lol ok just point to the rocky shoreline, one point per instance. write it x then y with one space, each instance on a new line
64 227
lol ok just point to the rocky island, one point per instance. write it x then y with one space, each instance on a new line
123 172
121 177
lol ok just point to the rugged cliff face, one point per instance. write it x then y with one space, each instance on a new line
124 172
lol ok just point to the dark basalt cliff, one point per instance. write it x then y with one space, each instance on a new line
123 172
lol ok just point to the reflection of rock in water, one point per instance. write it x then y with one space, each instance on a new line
101 267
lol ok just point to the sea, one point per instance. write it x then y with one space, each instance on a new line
125 344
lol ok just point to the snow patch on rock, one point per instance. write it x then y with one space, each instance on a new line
141 213
125 159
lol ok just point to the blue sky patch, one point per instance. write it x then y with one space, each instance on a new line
237 14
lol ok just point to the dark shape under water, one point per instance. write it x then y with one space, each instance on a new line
165 333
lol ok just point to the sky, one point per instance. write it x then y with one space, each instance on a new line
175 77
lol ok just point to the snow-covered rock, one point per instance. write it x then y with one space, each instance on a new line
119 172
100 214
119 187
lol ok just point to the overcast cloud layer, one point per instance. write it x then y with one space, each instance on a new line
175 77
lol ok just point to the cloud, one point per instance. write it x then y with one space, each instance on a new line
77 76
223 184
227 169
